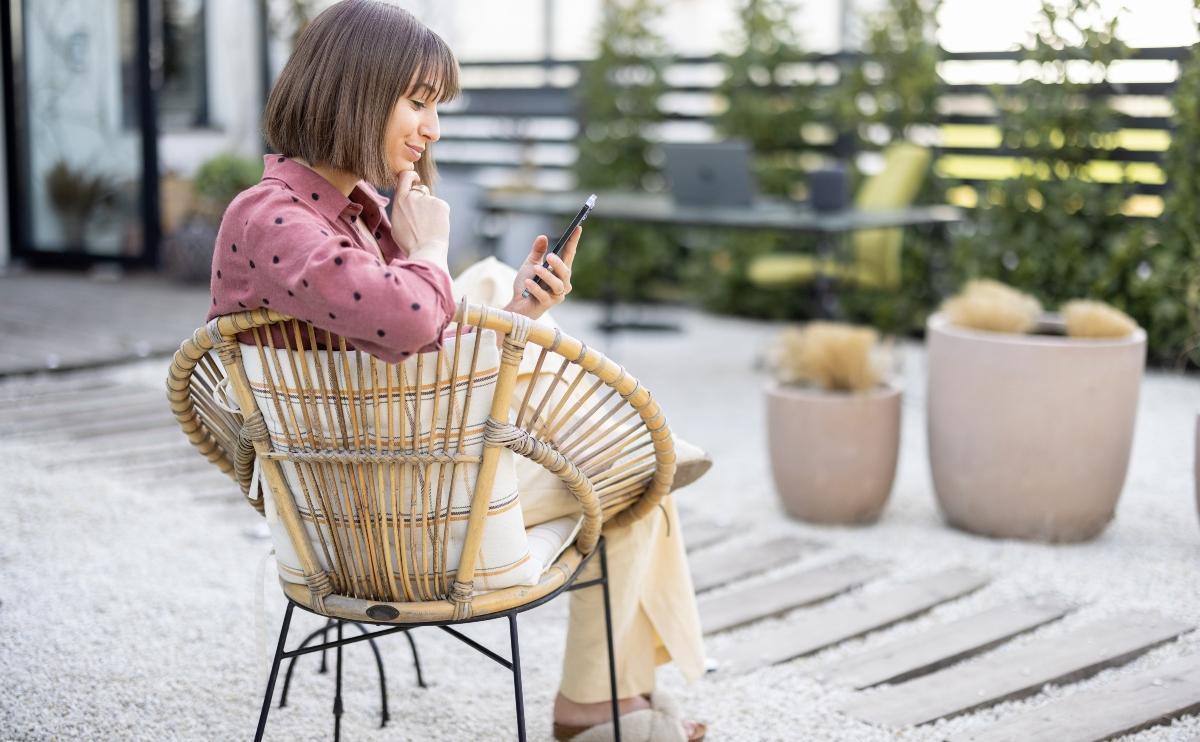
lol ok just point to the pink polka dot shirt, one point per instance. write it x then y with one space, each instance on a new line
292 243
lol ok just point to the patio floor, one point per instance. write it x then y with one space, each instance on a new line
129 568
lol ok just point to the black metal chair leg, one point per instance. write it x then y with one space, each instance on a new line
287 676
612 658
516 670
416 659
383 698
324 668
337 694
266 704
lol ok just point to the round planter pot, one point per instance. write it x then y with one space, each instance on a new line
1030 435
833 455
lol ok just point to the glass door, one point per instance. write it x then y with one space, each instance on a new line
84 135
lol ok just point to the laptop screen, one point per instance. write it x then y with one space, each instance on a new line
710 174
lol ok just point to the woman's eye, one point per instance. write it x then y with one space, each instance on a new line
419 104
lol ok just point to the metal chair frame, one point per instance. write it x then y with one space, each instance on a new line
513 665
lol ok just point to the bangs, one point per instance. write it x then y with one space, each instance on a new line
437 70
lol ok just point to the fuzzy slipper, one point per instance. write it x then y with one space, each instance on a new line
662 722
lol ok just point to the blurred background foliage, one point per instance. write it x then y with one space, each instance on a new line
618 95
1056 228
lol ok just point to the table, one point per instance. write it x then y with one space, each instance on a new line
766 214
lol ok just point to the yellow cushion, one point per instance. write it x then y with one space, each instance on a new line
789 269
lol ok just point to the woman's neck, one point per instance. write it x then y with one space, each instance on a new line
340 179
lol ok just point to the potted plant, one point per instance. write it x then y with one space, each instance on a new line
187 249
833 424
1030 415
77 197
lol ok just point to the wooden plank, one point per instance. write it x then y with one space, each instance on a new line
989 680
1125 705
761 600
19 394
174 448
110 427
39 421
699 533
729 562
945 644
859 615
82 425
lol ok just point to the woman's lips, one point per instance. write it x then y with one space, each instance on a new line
416 152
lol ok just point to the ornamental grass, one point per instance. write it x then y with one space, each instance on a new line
831 356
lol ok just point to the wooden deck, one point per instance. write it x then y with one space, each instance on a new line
57 321
948 669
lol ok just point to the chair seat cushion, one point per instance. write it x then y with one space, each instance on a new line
785 269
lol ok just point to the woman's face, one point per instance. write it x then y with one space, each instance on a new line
411 127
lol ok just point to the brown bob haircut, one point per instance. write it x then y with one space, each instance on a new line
354 61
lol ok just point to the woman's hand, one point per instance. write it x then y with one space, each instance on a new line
420 222
557 277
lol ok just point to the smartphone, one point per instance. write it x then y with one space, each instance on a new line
562 241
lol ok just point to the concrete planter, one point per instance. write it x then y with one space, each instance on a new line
1030 435
833 455
1196 464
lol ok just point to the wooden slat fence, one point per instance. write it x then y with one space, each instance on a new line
517 121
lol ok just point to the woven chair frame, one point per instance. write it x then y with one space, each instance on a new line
591 424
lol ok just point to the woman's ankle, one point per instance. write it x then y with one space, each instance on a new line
575 714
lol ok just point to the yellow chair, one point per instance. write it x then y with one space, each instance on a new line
876 251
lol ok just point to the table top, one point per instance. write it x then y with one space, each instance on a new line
660 208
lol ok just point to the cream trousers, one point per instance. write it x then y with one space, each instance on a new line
653 604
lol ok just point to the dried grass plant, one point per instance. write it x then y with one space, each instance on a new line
990 305
1095 319
831 356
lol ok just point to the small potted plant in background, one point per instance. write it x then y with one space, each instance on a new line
77 197
833 423
187 249
1030 415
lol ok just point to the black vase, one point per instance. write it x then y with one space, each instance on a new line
829 188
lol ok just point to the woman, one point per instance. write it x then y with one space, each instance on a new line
355 109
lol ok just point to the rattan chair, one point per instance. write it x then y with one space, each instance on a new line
604 436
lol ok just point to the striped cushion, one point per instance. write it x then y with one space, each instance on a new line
505 557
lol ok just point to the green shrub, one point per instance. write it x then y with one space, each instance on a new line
618 100
222 178
1173 319
1057 233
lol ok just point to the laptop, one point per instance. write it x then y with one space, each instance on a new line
710 174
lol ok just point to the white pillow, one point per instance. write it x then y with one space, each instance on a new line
505 557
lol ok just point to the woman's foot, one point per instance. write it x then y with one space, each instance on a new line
583 715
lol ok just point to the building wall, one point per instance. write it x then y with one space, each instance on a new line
235 92
5 249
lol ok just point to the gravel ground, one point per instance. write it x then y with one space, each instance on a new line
128 612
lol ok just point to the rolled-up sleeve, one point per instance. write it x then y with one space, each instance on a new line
292 263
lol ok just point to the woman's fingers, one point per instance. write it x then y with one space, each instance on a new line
562 271
537 292
568 251
556 284
538 251
404 185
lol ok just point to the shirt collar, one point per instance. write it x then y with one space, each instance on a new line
322 194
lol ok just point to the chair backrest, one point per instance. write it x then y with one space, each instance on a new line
877 251
382 477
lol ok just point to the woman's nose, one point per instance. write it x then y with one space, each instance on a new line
430 128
